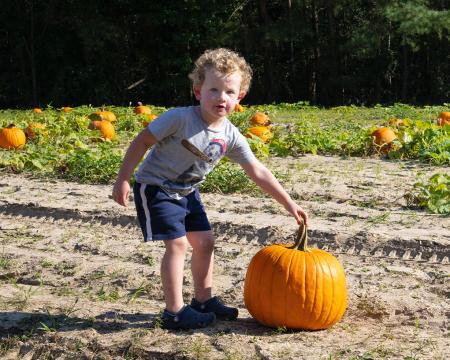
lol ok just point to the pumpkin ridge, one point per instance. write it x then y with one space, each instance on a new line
260 308
272 293
331 296
316 284
341 308
313 302
286 293
256 290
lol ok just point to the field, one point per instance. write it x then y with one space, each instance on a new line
77 282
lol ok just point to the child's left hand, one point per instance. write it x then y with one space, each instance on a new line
296 211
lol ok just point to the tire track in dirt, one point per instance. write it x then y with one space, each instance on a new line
360 243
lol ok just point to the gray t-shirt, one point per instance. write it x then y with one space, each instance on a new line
177 170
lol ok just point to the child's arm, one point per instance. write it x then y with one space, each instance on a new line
267 182
134 154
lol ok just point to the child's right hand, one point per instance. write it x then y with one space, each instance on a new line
121 192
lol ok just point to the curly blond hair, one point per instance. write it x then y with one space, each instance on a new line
225 61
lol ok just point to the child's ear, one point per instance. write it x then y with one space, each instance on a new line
196 90
241 95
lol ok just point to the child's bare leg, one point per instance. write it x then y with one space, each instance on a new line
202 243
172 267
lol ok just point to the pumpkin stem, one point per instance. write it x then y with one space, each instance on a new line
301 239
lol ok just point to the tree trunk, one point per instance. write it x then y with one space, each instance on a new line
405 71
271 90
316 54
30 48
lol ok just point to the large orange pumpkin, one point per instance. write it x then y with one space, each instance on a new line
103 115
106 128
12 137
444 118
260 119
142 109
295 287
263 132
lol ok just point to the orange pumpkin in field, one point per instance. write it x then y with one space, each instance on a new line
260 119
142 109
444 118
295 287
148 119
106 128
37 110
239 108
33 129
103 115
263 132
66 109
383 137
12 137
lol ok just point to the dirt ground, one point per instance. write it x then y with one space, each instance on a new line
77 282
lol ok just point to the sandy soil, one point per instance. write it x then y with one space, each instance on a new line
77 282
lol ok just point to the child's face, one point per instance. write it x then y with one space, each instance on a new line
219 94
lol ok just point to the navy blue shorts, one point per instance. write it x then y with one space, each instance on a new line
162 217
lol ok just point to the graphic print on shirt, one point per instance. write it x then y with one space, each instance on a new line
195 173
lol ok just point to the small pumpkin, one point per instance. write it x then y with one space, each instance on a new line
296 287
260 119
66 109
142 109
106 128
239 108
263 132
37 110
103 115
33 129
148 119
11 137
444 118
383 137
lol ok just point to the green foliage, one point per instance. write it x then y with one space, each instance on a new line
424 141
97 166
434 194
229 178
71 151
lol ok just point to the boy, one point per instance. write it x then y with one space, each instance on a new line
186 144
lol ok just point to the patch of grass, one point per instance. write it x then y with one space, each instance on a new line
199 349
105 295
5 262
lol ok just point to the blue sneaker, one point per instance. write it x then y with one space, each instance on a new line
187 319
215 306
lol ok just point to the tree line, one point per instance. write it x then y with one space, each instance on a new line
325 52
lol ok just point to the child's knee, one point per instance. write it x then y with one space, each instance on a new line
179 246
